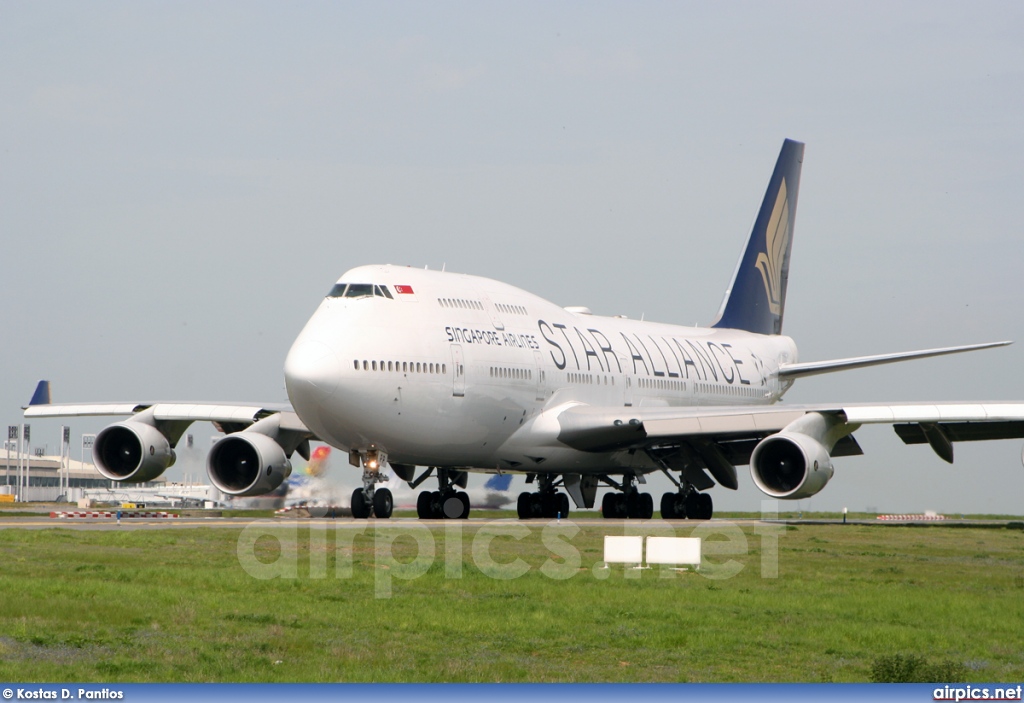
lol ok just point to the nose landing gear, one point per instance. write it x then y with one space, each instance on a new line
369 499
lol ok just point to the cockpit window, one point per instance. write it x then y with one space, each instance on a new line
359 290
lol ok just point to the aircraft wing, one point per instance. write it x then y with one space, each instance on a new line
228 415
731 433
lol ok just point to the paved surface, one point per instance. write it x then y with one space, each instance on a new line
86 524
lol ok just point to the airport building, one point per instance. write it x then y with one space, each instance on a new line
47 478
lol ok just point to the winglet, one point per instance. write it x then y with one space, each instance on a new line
756 296
42 394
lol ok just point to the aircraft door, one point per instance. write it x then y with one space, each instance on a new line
539 371
458 372
627 384
492 311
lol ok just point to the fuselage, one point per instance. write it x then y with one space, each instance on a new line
445 369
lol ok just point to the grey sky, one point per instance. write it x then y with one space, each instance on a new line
180 183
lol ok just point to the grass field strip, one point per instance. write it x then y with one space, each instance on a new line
409 551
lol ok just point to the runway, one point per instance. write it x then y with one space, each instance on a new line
617 525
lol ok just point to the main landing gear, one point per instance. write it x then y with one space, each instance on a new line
547 502
445 503
687 503
628 503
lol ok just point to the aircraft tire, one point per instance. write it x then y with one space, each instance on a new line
360 506
634 505
646 506
383 503
524 506
707 506
436 505
691 505
464 498
423 505
608 508
563 505
668 507
548 504
620 506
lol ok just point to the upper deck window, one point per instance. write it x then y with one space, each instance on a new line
359 290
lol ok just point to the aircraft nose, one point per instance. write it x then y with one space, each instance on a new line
311 372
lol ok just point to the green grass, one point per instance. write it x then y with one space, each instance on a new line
177 605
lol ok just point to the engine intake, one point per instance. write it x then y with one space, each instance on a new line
790 466
247 464
132 452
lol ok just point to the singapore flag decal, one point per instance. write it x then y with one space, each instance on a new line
403 289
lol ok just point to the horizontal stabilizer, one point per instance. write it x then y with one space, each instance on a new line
818 367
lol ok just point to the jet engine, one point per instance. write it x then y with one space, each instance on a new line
247 464
132 452
790 466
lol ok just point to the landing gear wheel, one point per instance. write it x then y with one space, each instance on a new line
452 508
524 506
668 507
608 508
464 499
619 506
691 505
360 506
632 500
646 506
383 503
563 505
436 505
423 505
548 504
706 506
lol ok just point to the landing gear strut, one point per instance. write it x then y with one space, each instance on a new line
444 503
547 502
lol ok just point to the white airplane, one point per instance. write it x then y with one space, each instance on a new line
459 373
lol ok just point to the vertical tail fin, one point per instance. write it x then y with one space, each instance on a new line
756 298
42 394
498 482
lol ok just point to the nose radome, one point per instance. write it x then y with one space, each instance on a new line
311 371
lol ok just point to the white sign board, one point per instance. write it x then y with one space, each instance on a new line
623 550
673 550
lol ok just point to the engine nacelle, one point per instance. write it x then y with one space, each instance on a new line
790 465
247 464
132 452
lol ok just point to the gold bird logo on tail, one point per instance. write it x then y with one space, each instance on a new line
776 239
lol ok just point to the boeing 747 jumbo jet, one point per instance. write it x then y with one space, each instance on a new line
458 374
